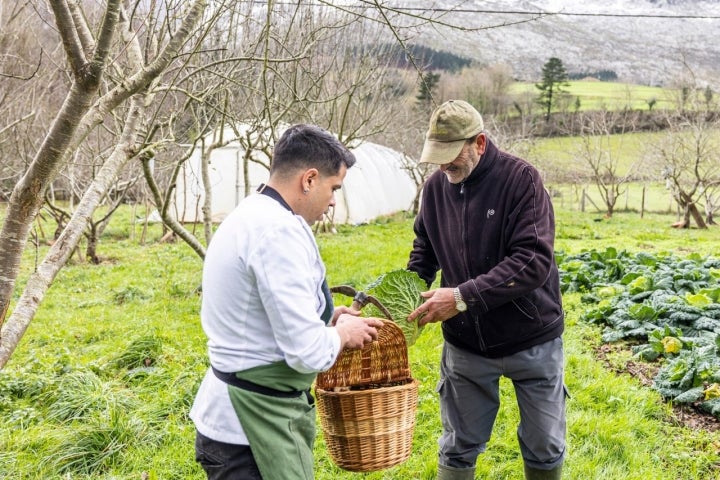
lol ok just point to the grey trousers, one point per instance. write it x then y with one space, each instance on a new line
470 399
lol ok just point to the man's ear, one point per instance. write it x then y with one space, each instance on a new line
308 177
481 143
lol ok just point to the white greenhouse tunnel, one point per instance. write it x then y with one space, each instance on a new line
377 185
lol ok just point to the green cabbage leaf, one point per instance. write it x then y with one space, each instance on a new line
399 292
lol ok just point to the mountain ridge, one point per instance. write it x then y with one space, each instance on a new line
651 42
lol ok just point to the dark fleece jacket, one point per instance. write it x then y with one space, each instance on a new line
492 236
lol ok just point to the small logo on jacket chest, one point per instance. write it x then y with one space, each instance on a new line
490 213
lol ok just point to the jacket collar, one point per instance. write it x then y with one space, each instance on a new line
487 160
274 194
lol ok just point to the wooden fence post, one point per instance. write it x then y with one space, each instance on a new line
642 203
627 197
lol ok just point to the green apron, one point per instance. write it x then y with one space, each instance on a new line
280 430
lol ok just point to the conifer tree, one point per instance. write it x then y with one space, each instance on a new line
428 86
554 77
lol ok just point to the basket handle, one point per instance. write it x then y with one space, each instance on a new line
360 299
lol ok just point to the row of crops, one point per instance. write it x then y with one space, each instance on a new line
666 307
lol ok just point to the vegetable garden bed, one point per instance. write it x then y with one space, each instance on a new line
667 307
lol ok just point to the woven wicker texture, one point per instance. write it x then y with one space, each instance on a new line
367 402
380 362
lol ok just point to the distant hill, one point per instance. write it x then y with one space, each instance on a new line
644 45
425 57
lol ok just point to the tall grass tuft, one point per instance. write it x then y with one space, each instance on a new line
130 294
82 394
142 352
98 443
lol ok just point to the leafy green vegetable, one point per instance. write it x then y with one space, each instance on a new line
609 291
640 284
712 391
698 299
712 293
399 291
640 311
671 344
672 303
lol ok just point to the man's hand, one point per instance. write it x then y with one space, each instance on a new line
356 332
343 309
439 307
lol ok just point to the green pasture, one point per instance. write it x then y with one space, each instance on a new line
565 154
101 385
562 160
639 198
596 95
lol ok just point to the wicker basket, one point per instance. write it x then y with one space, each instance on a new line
367 403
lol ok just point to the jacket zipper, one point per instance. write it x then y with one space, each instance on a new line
465 249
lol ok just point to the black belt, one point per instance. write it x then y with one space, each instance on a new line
232 379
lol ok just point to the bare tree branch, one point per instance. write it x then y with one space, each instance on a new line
69 35
27 195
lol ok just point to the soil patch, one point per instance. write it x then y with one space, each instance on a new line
687 415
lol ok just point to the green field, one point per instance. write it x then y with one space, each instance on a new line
561 159
641 198
101 385
565 153
596 95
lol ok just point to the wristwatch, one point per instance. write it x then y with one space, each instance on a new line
460 304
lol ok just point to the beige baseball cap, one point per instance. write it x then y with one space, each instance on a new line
451 124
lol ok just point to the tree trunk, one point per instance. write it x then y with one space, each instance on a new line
92 241
691 210
686 217
697 216
207 212
168 220
58 255
71 125
27 196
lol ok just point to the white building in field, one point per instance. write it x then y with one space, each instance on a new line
378 184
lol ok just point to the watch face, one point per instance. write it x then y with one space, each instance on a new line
460 304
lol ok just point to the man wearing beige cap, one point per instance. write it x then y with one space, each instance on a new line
487 223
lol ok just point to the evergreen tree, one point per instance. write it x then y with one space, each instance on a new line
554 77
428 86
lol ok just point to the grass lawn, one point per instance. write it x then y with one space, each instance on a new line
595 95
101 385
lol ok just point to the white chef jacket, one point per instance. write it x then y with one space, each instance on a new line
262 300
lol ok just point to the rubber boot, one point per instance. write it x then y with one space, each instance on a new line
452 473
537 474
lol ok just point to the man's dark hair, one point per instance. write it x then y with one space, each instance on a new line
305 146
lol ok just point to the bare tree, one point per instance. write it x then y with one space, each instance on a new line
712 201
27 82
600 150
487 88
312 65
88 58
687 156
